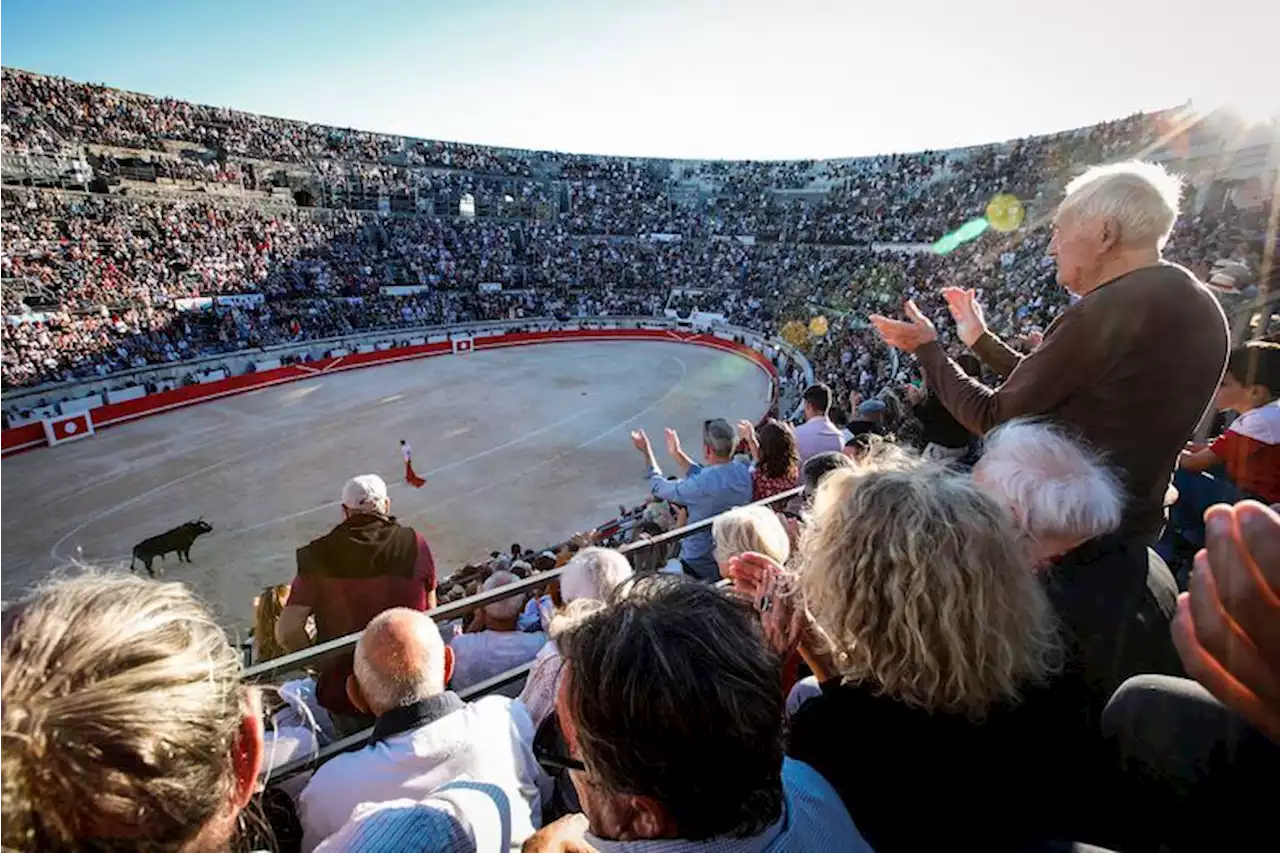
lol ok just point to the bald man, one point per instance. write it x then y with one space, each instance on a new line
424 736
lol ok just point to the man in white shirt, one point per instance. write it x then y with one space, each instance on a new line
423 737
817 434
494 642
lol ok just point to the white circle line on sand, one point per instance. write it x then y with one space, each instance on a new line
254 425
455 464
53 551
684 372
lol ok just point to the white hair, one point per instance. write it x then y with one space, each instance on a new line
750 528
592 574
1054 486
506 608
1141 197
399 659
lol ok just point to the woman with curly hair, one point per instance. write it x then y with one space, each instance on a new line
941 662
776 454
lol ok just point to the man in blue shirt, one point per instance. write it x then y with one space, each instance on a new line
704 490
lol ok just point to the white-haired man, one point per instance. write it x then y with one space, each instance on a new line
493 642
1115 597
1131 366
424 736
365 565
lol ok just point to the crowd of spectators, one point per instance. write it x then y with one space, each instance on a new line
93 281
924 649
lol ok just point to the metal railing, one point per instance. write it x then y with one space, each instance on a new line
269 670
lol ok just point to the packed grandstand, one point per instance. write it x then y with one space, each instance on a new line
881 571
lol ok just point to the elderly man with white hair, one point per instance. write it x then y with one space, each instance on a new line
424 737
1115 597
1131 366
493 642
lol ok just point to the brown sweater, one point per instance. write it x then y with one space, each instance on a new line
1131 368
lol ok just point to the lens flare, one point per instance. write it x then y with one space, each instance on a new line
1005 213
971 230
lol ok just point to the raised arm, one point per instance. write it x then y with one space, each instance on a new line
677 452
1064 364
971 325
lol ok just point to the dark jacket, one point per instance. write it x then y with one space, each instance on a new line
365 565
1115 600
917 780
939 426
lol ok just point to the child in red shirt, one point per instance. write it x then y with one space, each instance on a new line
1243 462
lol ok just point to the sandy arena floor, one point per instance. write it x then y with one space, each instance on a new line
520 445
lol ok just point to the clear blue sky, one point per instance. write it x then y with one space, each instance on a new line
652 77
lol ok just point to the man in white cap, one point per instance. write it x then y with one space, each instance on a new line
367 564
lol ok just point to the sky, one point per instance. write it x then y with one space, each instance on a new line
783 79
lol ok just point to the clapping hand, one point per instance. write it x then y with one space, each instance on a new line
967 312
771 589
1227 628
640 440
906 335
673 442
746 430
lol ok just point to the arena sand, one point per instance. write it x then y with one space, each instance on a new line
524 445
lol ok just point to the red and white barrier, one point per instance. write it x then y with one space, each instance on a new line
64 428
32 435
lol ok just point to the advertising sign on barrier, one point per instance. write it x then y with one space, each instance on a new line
67 428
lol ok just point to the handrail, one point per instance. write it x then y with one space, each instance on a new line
358 739
290 662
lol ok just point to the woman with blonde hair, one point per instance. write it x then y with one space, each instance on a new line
125 723
749 529
943 655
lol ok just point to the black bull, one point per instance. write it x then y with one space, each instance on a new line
179 539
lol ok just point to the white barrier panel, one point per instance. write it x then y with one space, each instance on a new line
269 364
340 352
119 395
437 339
417 342
68 427
487 333
364 348
166 384
724 336
17 420
84 404
382 346
211 376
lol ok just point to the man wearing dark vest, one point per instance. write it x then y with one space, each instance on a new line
367 564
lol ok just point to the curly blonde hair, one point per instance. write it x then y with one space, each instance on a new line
916 577
122 707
